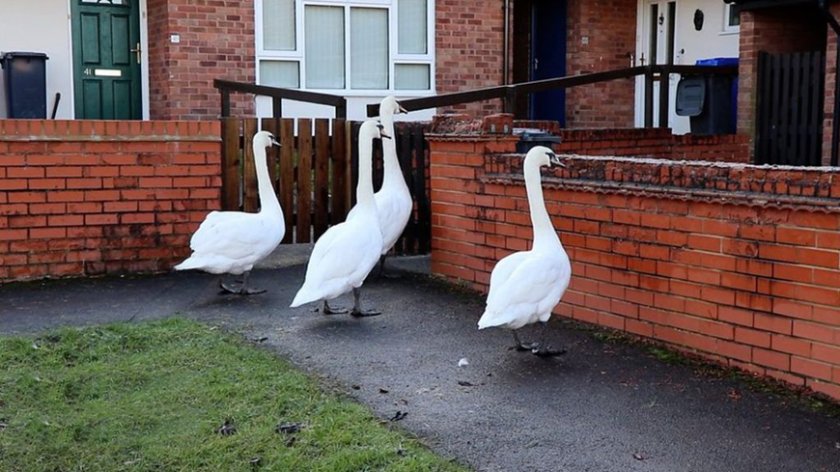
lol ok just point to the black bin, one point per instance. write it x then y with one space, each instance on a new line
25 77
529 138
709 100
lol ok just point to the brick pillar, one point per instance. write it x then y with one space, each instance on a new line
830 79
216 41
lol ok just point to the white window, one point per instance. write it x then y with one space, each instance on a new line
731 19
342 46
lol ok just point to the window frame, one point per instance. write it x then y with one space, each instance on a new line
727 15
394 58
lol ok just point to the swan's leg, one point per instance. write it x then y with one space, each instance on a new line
328 310
542 350
227 288
382 272
520 346
357 307
244 290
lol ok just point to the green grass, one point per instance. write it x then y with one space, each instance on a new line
150 397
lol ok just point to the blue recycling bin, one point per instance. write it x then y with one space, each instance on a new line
711 101
25 79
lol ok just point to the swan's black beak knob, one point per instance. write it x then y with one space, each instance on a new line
402 109
275 142
555 160
382 131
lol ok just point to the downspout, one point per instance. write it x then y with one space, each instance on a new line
506 44
835 118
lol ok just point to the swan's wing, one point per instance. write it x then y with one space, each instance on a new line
236 235
341 259
530 285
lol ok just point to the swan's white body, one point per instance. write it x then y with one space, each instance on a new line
526 286
344 255
231 242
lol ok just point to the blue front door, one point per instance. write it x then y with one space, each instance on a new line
548 57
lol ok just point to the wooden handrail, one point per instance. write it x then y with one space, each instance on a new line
225 87
509 93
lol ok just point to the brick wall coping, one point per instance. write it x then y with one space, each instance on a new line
809 188
108 130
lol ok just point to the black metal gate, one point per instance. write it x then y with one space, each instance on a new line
789 121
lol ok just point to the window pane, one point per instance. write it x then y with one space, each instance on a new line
411 76
368 48
279 25
324 30
411 26
280 74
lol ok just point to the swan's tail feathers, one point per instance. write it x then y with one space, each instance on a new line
303 297
188 264
489 320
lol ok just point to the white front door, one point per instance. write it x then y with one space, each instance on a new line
657 29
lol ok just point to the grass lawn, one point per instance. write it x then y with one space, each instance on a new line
152 396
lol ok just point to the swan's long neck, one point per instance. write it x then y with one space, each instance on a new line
268 200
364 188
544 234
392 173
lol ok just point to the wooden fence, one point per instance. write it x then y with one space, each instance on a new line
314 173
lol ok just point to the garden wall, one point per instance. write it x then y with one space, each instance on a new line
738 263
103 197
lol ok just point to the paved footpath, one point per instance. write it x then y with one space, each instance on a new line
601 407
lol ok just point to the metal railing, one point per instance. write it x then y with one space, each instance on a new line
277 95
510 93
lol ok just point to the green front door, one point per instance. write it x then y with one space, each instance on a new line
106 59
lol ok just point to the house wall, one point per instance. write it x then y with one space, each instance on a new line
737 263
773 30
216 41
17 23
830 84
601 36
87 197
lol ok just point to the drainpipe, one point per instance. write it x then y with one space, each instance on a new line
506 44
835 119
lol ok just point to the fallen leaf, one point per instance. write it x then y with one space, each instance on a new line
463 361
638 456
399 415
464 383
288 428
734 394
226 429
383 390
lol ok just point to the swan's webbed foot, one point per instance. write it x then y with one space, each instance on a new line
242 288
364 313
526 347
328 310
358 312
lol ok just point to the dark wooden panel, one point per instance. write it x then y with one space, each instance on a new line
249 173
230 163
321 191
287 175
304 182
339 159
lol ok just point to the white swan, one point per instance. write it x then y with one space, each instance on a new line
344 255
393 200
231 242
525 286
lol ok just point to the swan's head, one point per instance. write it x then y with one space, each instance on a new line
264 139
390 106
372 129
544 157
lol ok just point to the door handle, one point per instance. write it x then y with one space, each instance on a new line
137 51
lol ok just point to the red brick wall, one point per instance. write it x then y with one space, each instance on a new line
601 37
740 264
217 41
468 49
102 197
830 83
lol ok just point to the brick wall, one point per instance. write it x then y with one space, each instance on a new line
830 83
738 263
102 197
216 41
601 37
468 49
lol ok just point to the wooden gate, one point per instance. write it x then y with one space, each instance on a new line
789 121
314 174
